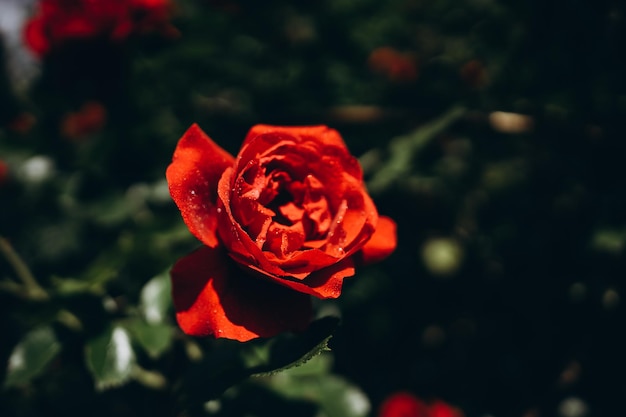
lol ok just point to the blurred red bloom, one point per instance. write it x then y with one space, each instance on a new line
4 172
439 408
58 21
22 123
90 119
394 65
405 404
474 74
286 219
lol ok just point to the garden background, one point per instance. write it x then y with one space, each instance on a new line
491 131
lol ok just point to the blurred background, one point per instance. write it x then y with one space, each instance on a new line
491 131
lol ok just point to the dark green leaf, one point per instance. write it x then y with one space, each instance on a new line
155 339
30 357
231 362
94 278
110 358
156 298
290 351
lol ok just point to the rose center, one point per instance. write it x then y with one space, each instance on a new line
281 212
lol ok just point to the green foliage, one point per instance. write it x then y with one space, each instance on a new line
30 357
154 338
110 357
231 362
155 302
312 382
403 150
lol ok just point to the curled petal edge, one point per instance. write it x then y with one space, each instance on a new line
196 168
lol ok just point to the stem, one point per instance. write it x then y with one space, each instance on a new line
70 320
33 289
150 379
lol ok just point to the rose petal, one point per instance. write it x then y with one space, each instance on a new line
382 243
321 133
324 283
212 298
196 168
320 140
238 242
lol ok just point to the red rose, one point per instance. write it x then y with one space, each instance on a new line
396 66
405 404
89 119
58 21
439 408
4 172
286 219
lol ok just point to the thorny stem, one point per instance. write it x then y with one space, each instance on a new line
34 291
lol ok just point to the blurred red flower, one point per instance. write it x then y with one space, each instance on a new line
394 65
22 123
288 218
59 21
405 404
89 119
474 74
439 408
4 172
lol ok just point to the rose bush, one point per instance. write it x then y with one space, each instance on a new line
287 219
58 21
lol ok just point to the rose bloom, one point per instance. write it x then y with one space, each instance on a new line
394 65
89 119
4 172
439 408
287 219
405 404
59 21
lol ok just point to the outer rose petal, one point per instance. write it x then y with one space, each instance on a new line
325 283
192 176
212 298
322 133
382 243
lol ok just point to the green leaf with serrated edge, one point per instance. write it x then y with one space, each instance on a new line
155 339
155 300
316 350
290 350
31 355
231 362
110 357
